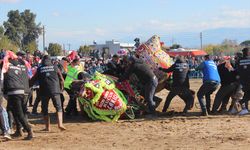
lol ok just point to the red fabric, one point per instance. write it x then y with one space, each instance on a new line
188 53
8 55
227 57
162 43
73 55
27 64
109 101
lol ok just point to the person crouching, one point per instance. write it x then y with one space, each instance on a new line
180 84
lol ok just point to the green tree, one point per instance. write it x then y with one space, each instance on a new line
55 49
7 44
213 49
1 31
31 29
31 46
21 28
245 43
209 49
229 47
84 50
217 50
175 46
14 27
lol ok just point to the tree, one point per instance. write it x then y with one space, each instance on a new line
55 49
21 28
209 49
175 46
84 50
229 47
7 44
14 27
229 42
217 50
31 29
245 43
1 31
213 49
31 46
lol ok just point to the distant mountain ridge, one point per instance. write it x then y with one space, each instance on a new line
211 36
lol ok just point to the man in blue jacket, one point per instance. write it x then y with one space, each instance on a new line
211 81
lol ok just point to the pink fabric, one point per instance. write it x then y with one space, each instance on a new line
8 55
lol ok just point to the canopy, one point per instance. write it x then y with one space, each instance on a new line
187 53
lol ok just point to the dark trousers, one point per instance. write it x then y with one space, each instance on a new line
56 99
15 103
25 102
37 101
245 98
62 101
72 104
25 110
237 96
30 97
184 93
11 116
206 89
149 92
223 95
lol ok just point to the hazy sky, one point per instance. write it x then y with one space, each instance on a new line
82 21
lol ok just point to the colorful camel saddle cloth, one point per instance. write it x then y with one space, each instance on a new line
153 55
101 100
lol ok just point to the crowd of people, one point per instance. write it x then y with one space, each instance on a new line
23 73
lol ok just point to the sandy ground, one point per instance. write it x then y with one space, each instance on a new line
165 132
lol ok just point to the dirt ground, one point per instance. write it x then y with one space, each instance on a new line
165 132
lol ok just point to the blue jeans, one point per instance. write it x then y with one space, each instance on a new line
4 120
150 88
206 90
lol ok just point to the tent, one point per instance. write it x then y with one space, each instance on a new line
187 53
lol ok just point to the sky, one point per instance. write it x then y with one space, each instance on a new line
79 22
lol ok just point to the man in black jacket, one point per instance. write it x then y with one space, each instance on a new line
146 77
25 75
229 85
14 88
114 67
244 73
50 78
180 84
25 78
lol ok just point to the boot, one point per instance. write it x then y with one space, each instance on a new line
47 123
18 133
60 121
30 135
